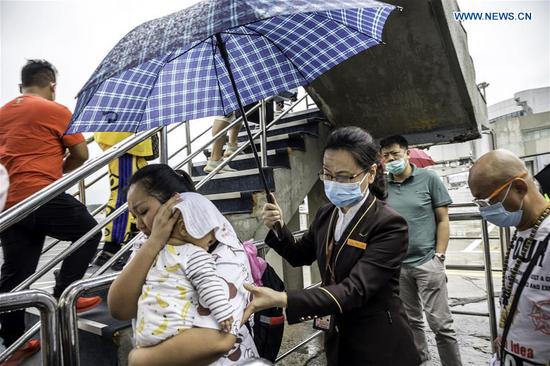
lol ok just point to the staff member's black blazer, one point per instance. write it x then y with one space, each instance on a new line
371 327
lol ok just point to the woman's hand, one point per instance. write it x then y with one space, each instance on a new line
263 298
164 221
272 213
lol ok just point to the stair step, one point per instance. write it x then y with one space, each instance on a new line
239 181
96 321
304 114
97 333
275 158
300 125
293 140
233 202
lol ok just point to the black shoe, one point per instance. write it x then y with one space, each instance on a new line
102 258
121 262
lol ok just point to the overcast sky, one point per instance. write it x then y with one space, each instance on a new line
75 35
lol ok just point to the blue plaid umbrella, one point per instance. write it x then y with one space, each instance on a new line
218 55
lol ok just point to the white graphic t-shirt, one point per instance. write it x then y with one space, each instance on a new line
528 341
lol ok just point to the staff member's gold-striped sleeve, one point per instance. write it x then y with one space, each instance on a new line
333 298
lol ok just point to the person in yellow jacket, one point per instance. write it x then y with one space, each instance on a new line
123 228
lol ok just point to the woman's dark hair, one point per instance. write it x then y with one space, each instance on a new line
161 181
360 144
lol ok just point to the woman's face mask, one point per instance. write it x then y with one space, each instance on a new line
498 215
344 194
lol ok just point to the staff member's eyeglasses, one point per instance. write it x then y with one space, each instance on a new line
339 178
484 202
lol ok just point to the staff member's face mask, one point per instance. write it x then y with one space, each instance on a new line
345 194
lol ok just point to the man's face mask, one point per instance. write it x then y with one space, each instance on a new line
396 167
497 213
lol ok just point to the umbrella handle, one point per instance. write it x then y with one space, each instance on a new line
277 227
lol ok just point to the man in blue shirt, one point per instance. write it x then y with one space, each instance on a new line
421 198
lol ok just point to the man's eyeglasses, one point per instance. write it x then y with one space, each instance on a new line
339 178
484 202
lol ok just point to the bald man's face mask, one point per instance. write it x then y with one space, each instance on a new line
498 215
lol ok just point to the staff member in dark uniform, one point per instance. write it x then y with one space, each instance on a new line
359 243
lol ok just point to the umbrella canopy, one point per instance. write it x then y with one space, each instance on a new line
174 68
420 158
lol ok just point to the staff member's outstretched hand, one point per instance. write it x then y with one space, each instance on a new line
272 213
263 298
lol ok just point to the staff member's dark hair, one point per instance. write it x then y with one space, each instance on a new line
37 73
360 144
161 181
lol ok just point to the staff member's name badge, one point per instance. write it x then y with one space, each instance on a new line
323 323
357 244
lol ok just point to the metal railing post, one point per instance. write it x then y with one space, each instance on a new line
188 147
263 136
82 191
241 148
503 245
163 145
489 282
507 238
68 318
48 325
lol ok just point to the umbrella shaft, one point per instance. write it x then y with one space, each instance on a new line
225 57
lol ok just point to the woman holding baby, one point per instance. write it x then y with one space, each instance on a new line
184 284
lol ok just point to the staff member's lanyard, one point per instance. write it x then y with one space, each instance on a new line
330 265
329 248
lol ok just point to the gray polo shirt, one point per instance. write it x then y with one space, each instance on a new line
415 199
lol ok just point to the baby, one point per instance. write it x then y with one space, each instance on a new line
181 282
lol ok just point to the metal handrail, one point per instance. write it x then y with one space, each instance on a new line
26 207
299 345
68 316
105 267
217 136
55 242
104 174
48 325
245 145
75 246
489 283
187 144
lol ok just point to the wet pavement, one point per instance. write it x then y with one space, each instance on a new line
466 293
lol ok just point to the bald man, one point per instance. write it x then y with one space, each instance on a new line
508 196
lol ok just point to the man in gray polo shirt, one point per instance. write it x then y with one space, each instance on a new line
422 199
